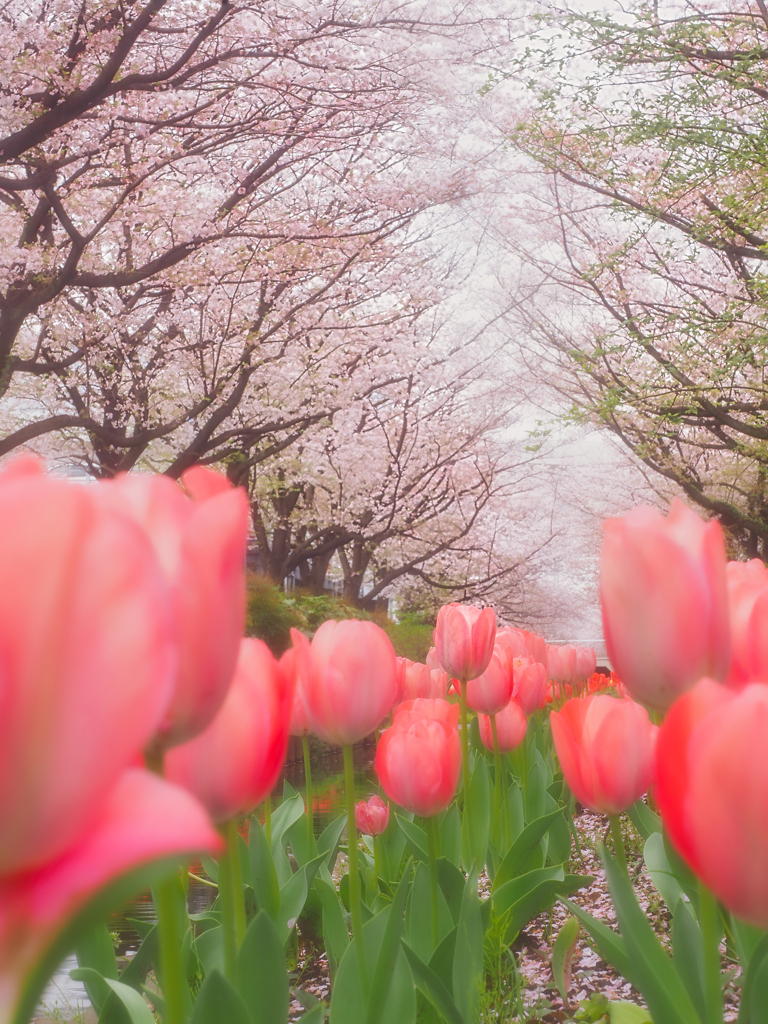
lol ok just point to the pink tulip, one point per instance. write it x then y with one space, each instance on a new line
201 547
350 679
234 764
512 640
143 819
372 817
606 750
748 605
511 725
561 663
537 646
712 791
464 639
492 690
665 604
87 655
289 663
417 680
530 684
418 759
586 663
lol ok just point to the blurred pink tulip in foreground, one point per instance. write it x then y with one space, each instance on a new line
606 749
201 547
665 604
234 764
748 606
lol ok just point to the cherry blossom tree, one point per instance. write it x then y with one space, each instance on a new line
644 259
187 191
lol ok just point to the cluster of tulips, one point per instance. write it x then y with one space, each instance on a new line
137 726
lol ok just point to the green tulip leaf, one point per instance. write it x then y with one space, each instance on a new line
261 972
468 974
416 838
219 1002
657 979
562 956
450 835
526 853
433 988
328 843
609 945
262 870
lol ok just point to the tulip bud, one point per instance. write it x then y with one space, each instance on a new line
464 638
372 817
712 791
665 605
511 725
201 547
350 679
418 759
606 750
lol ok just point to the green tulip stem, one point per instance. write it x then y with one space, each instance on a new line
465 762
308 787
165 895
524 773
497 768
236 874
709 920
433 835
227 907
354 877
268 821
618 842
376 859
507 822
